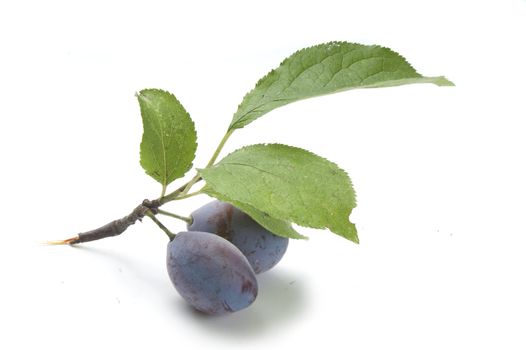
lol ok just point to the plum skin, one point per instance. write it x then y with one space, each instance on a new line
262 248
210 273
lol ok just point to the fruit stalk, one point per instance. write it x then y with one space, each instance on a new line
151 215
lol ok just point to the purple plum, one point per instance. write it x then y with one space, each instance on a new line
262 248
210 273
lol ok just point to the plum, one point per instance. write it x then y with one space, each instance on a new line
210 273
262 248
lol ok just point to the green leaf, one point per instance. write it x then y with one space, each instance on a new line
286 183
169 139
325 69
276 226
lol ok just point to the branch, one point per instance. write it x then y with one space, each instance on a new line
114 228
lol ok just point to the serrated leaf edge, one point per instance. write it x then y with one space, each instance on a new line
168 174
235 203
352 235
439 80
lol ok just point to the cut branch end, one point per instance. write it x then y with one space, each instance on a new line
71 240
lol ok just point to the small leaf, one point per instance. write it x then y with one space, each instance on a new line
325 69
286 183
276 226
169 139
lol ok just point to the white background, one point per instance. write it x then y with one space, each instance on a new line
439 174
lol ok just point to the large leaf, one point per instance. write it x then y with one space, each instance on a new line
325 69
286 183
169 139
278 227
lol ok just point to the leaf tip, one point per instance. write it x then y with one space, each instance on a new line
299 236
350 233
442 81
140 95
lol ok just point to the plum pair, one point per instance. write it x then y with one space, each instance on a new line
214 264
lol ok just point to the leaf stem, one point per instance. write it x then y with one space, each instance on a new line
173 195
161 226
184 196
190 183
182 191
219 148
186 219
163 192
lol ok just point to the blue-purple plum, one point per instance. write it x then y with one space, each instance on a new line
262 248
210 273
